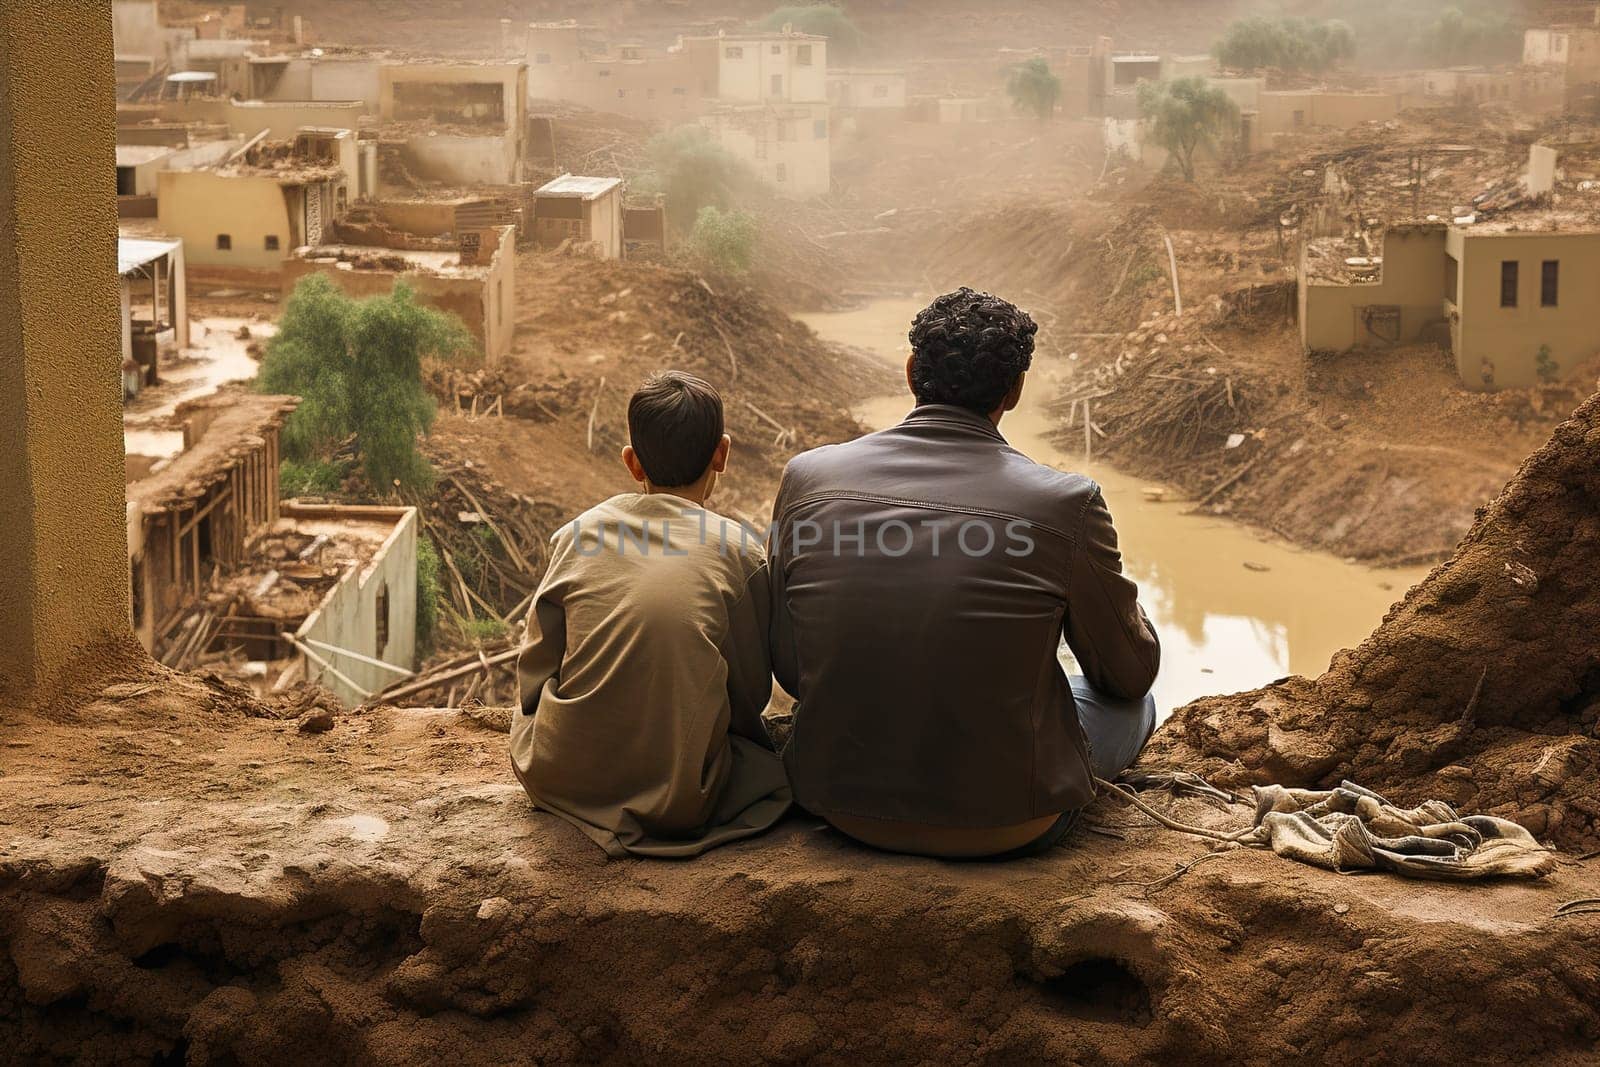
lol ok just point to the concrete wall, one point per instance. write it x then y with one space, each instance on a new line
427 218
197 205
657 85
1510 338
867 89
1290 112
488 159
348 617
1332 315
346 79
136 29
283 118
746 67
787 147
64 588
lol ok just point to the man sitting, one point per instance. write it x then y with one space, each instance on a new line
923 577
645 669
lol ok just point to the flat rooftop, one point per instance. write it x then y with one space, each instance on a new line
136 252
132 155
571 185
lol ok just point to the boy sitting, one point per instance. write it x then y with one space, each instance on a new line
646 668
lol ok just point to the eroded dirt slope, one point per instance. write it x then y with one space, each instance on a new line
1482 687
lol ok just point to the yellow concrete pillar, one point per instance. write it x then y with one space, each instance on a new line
64 589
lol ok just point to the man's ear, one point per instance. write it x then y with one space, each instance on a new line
911 359
719 457
630 460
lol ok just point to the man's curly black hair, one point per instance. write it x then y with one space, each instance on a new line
968 349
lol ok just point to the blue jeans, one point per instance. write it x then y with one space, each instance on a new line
1117 731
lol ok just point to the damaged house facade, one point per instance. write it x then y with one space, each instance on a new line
1514 301
274 593
239 221
474 279
772 105
462 123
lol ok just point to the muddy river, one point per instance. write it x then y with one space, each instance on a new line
1235 609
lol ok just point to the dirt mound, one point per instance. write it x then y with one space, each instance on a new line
589 331
1482 687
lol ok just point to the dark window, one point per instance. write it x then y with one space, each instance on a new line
802 55
1508 283
733 51
777 85
782 173
224 242
679 90
1299 118
1550 283
777 49
383 618
819 129
125 181
272 242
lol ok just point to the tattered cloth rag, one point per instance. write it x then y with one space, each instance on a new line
1351 829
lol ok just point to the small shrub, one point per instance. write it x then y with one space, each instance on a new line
1546 366
482 631
692 171
311 477
724 241
429 593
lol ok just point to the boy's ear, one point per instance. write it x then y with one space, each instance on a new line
719 458
630 460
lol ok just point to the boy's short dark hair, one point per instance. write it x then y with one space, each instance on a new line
968 349
674 425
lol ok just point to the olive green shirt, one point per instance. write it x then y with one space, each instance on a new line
643 677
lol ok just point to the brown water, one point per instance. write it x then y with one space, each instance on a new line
1224 626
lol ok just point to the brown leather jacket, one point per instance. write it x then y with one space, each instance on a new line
923 577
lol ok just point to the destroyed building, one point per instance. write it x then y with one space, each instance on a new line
459 123
240 219
570 61
277 593
1509 295
1573 53
193 513
475 280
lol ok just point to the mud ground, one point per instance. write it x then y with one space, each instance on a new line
201 884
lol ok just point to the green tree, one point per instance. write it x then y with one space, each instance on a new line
825 20
1186 114
724 240
1033 88
357 367
1291 44
692 171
